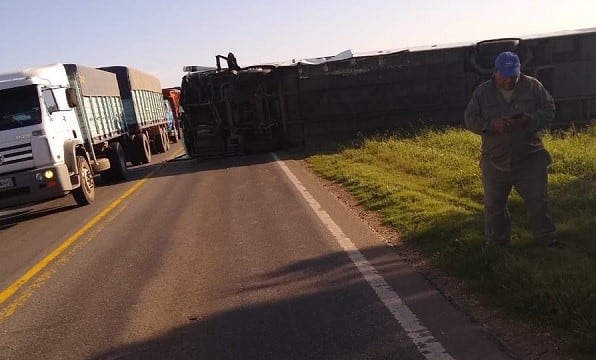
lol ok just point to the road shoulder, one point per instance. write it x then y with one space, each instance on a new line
518 339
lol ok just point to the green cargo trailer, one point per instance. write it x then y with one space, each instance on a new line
102 120
100 111
144 110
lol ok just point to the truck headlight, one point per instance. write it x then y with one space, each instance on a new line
48 174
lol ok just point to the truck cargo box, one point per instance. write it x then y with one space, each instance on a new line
141 97
100 111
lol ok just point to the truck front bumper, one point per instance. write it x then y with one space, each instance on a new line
34 185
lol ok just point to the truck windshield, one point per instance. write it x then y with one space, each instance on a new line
19 107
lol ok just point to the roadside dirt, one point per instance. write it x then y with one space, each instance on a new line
521 340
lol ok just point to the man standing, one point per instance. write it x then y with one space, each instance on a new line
508 112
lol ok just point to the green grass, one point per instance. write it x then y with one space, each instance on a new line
428 188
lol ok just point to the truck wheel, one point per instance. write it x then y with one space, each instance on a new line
144 149
136 150
118 170
118 161
85 193
175 137
158 143
165 139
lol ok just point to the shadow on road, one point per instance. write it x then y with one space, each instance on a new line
185 165
320 308
173 167
11 219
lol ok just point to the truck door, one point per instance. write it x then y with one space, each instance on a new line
59 124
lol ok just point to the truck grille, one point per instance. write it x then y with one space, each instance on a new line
15 154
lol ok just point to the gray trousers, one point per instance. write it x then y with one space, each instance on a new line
531 183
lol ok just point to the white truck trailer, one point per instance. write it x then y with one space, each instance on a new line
59 126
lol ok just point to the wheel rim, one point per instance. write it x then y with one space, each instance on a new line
87 178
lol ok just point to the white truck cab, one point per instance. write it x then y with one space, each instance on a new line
43 154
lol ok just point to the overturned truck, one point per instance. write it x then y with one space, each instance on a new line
311 102
232 110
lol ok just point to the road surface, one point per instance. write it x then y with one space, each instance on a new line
237 258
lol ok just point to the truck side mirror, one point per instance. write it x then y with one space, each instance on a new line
71 98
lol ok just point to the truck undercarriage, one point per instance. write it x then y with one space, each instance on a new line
230 111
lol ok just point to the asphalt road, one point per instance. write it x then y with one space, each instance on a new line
235 258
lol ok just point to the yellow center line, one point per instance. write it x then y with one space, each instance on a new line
41 265
15 286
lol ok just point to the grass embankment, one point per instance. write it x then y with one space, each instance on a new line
428 188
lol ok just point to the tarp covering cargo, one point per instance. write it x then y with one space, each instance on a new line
132 79
94 82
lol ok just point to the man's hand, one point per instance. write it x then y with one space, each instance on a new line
509 124
502 125
521 122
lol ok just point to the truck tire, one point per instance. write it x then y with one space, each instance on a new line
85 193
165 138
175 137
144 149
158 142
133 150
118 170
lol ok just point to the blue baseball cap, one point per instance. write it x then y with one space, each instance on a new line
507 64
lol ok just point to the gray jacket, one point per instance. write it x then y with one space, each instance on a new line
510 150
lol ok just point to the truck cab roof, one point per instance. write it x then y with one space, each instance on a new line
44 75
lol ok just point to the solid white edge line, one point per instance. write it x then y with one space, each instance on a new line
425 342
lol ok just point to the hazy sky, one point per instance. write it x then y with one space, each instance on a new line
161 36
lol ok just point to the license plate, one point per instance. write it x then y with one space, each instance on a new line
6 183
